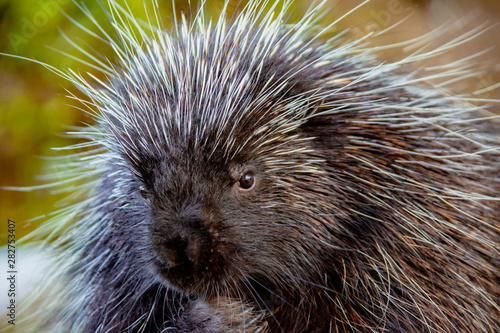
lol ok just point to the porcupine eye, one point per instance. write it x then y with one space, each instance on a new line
143 192
247 181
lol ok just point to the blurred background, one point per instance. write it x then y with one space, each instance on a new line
34 110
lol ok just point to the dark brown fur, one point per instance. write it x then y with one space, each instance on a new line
375 206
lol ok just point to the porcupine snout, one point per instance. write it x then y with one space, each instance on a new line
184 247
180 242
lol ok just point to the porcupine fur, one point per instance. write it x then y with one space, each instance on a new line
375 199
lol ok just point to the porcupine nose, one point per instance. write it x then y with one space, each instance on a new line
181 250
183 247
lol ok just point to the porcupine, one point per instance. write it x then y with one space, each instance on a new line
254 176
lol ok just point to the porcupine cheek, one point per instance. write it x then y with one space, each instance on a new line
182 247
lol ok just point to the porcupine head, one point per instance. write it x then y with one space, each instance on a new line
253 161
213 129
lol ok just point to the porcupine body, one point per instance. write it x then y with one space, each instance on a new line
251 176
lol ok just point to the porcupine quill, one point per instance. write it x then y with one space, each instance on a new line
252 175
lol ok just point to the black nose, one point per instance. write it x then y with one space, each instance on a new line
180 240
182 249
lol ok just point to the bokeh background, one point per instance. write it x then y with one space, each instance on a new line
34 111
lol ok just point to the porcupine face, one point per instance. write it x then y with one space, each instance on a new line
217 162
217 221
198 209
